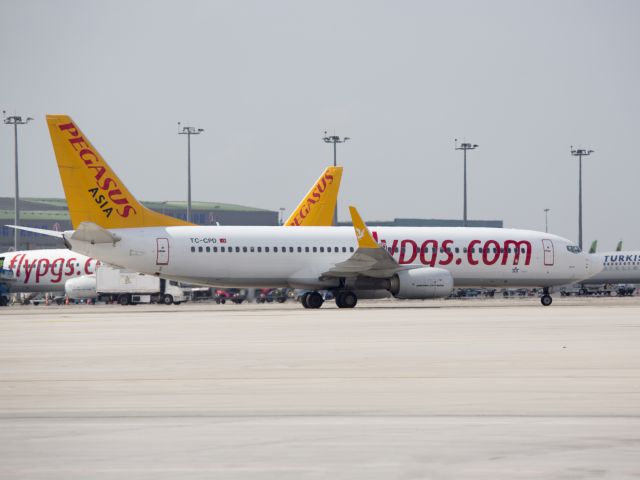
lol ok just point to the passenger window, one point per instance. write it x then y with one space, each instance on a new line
266 249
299 249
351 249
315 249
207 249
306 249
284 249
244 249
222 249
322 249
251 249
215 249
275 249
193 249
457 250
290 249
464 250
237 249
200 249
259 249
344 249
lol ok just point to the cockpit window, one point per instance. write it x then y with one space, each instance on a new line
574 248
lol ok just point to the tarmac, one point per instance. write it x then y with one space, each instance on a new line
441 389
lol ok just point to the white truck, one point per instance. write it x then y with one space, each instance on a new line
125 287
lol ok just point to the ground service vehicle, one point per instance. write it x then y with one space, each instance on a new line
113 284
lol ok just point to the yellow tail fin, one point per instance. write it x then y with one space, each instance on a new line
94 192
316 208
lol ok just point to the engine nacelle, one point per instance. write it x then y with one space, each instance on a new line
419 283
81 288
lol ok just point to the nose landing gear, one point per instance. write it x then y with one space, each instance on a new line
546 299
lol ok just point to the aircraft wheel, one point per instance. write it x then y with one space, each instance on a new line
346 300
123 299
167 299
546 300
314 300
177 303
303 299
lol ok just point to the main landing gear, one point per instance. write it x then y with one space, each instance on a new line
344 299
312 300
546 299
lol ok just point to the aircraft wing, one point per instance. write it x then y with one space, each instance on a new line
370 259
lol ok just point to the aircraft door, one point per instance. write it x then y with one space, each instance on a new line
547 246
162 252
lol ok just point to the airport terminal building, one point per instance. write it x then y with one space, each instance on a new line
52 214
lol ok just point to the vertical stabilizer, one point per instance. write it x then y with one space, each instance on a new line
317 207
93 190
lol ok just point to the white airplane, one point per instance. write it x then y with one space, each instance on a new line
46 270
63 271
617 267
110 224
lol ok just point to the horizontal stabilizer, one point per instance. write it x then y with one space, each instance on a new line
41 231
93 233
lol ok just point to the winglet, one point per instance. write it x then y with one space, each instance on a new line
365 239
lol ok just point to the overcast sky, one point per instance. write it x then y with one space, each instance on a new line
523 79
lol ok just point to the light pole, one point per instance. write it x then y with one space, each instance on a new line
16 120
335 139
546 220
188 131
580 153
464 147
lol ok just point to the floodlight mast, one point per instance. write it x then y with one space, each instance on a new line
580 152
188 131
546 220
464 147
335 139
16 120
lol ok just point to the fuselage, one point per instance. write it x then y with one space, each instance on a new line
299 257
617 267
44 270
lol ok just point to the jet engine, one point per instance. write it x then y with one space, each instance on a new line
419 283
81 288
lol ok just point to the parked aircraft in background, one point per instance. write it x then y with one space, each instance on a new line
59 270
112 225
617 267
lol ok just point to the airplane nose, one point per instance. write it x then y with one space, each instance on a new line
593 264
